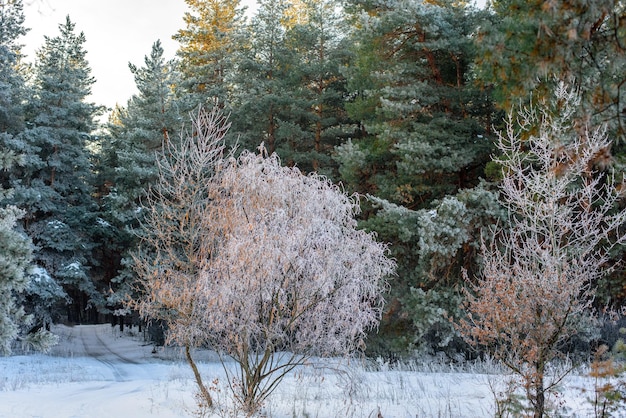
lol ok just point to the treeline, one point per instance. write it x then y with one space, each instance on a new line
397 100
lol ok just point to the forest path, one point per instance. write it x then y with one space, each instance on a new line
124 357
96 347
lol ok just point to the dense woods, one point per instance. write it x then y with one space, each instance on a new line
400 101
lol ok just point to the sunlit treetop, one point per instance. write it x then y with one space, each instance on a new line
527 45
207 41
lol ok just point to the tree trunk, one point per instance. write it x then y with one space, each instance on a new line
203 390
540 393
318 139
271 132
539 403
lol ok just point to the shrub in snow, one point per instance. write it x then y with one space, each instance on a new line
538 274
256 260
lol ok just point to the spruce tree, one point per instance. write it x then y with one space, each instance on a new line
53 182
128 167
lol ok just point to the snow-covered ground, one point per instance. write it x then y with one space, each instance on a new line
96 371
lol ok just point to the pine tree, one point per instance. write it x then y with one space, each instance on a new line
318 120
11 80
526 46
424 126
138 132
53 183
12 87
288 90
15 256
128 168
421 145
15 247
17 279
261 99
206 50
434 247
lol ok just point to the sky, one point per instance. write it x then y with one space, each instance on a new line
117 32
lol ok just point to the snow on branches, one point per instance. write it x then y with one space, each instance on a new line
255 259
538 274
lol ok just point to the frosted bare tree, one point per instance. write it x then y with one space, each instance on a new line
172 254
274 269
539 272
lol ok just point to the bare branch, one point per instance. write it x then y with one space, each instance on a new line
255 259
538 275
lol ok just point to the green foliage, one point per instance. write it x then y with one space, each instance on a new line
434 246
52 183
393 98
43 297
456 225
525 45
206 52
412 93
41 340
15 259
263 92
137 133
443 230
16 251
12 87
432 313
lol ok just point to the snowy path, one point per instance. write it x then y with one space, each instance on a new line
97 348
93 372
96 372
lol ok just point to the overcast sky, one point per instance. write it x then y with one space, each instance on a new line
117 32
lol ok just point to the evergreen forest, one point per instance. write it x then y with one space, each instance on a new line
398 101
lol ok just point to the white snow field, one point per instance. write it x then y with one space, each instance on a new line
96 371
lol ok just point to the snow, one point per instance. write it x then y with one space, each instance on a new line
40 274
96 371
101 222
55 224
75 266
